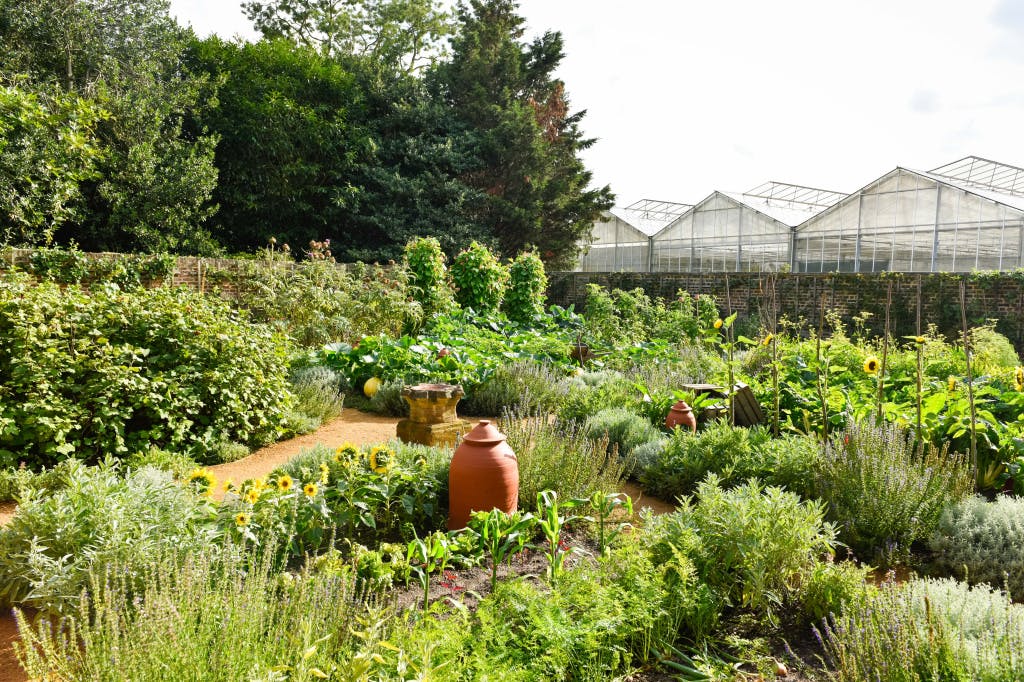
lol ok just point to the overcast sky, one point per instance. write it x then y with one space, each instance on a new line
688 97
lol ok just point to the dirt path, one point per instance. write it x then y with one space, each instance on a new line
352 426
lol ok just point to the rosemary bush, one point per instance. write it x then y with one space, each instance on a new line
984 540
522 383
623 429
928 630
883 493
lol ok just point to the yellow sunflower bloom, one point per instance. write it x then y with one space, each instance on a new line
719 323
346 454
381 459
228 484
285 482
242 519
310 490
1018 378
325 473
202 480
768 339
872 364
252 496
951 384
919 340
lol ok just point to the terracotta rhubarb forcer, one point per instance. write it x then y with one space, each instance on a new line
484 475
680 414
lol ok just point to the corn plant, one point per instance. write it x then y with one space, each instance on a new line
501 535
552 522
428 555
604 505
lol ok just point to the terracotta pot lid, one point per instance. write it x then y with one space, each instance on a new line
484 433
681 406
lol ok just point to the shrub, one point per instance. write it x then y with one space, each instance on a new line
112 372
520 384
991 351
928 630
226 451
388 400
317 392
560 458
428 276
592 392
647 454
479 279
751 544
97 521
734 454
884 495
175 462
524 300
981 542
623 429
830 588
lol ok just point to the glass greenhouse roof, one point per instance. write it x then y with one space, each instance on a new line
984 174
650 215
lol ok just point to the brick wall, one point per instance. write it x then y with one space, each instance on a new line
996 295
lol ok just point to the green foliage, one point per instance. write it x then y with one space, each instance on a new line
317 392
428 275
592 392
527 288
928 630
71 266
883 493
980 541
560 458
48 147
829 589
623 430
111 373
751 544
631 316
991 351
97 522
734 454
388 400
479 279
180 465
521 384
501 535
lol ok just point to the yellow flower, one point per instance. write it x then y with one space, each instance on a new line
1018 378
325 473
202 480
310 490
259 484
872 364
919 340
381 458
252 496
228 484
284 482
242 519
719 323
767 340
951 384
346 454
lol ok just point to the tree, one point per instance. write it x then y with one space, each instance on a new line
516 121
402 35
156 176
48 147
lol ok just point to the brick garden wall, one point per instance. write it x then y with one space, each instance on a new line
989 295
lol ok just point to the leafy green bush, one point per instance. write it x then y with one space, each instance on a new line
110 372
522 383
23 482
631 316
388 400
734 454
592 392
479 279
981 542
751 544
71 266
623 429
647 454
317 392
991 351
428 276
882 493
928 630
561 458
175 462
97 521
527 288
830 588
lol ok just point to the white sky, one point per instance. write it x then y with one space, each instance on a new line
687 96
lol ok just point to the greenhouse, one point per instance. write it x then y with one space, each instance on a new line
966 215
731 232
963 216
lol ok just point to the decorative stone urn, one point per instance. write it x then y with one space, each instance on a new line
484 475
432 419
681 414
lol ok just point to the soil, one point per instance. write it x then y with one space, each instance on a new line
359 428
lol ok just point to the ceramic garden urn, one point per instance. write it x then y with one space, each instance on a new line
680 414
484 475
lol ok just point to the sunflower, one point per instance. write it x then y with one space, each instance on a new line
259 484
325 473
346 454
381 459
1018 378
242 519
951 384
919 340
767 340
202 480
228 484
310 490
252 496
872 364
284 482
718 323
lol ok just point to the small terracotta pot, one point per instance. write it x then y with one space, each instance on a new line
680 414
484 475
